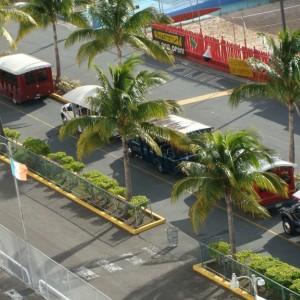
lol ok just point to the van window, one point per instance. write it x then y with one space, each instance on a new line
29 78
41 75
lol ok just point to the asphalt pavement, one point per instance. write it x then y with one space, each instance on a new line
122 266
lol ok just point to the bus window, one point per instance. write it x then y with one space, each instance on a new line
41 75
29 78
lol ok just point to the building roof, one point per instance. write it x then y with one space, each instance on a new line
21 63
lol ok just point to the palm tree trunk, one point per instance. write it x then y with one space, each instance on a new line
128 183
57 60
119 55
291 133
229 206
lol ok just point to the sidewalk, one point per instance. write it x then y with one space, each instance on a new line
118 264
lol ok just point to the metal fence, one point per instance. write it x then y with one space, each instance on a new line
40 272
225 266
80 187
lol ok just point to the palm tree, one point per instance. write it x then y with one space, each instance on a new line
121 107
48 12
283 79
9 13
120 25
227 167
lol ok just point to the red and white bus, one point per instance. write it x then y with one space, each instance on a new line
24 77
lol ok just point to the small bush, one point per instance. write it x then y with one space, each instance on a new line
37 146
222 247
296 286
117 191
100 180
65 85
11 134
74 166
283 273
138 202
67 160
57 156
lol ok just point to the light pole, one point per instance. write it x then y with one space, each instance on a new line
282 15
255 281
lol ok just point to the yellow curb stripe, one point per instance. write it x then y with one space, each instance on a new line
221 281
204 97
180 102
159 220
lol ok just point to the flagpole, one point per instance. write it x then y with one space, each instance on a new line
8 147
18 196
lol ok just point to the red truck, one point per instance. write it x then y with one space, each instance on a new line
286 170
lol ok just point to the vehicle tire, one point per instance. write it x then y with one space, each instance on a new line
288 227
160 167
64 119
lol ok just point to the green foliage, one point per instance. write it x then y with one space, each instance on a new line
278 271
11 134
57 156
244 256
100 180
117 191
67 162
139 201
283 273
217 248
37 146
296 286
74 166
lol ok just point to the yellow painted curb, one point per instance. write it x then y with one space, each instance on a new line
221 281
59 98
159 220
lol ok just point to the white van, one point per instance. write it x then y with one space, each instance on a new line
78 104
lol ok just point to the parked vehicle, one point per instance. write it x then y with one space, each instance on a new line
290 217
24 77
284 170
171 157
78 102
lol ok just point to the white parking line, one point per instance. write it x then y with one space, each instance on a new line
110 267
134 260
85 273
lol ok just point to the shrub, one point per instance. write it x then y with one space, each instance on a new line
100 180
65 85
283 273
296 286
74 166
37 146
11 134
67 160
217 248
117 191
57 156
